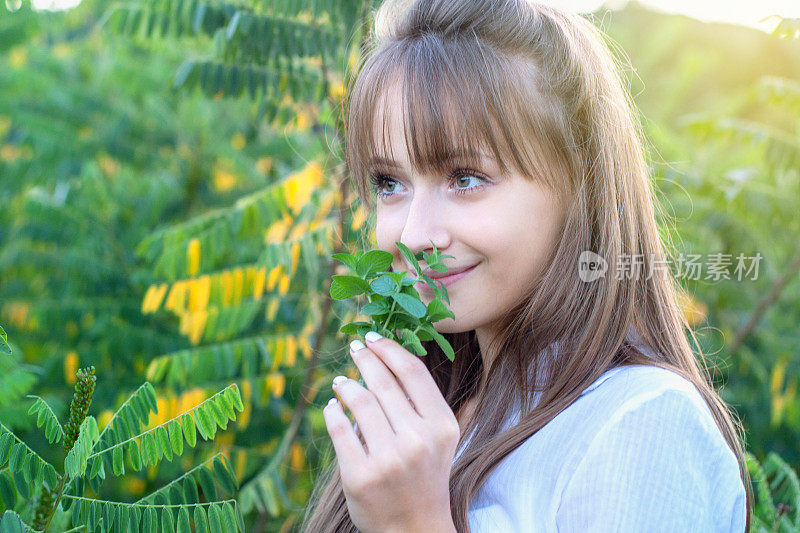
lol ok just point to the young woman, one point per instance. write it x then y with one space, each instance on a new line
502 132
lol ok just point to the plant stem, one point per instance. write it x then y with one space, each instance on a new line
59 492
389 316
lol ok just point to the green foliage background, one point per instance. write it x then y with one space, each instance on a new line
171 191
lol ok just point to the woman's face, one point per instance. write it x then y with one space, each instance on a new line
503 224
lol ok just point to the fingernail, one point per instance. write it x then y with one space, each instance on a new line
372 336
338 380
356 345
332 401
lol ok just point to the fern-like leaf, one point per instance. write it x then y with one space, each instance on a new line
47 418
78 457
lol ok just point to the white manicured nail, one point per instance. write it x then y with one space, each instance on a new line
338 380
356 345
372 336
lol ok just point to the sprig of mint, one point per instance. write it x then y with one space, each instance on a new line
393 304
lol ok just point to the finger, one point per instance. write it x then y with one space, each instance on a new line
412 373
384 385
349 451
375 428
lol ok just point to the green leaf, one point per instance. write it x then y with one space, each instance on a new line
150 449
343 287
190 494
15 457
352 328
204 423
217 414
228 517
117 465
7 493
175 437
207 484
225 477
12 523
442 342
134 456
373 261
6 442
167 520
183 521
189 431
232 393
438 311
408 255
163 441
150 519
384 285
376 307
200 520
409 339
413 306
225 406
4 347
348 260
215 518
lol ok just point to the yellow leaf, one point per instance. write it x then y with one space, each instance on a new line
305 347
227 287
185 323
778 373
291 350
274 275
238 285
277 230
336 90
70 367
694 311
199 293
278 353
104 418
359 217
177 297
276 383
295 255
261 278
299 187
283 287
241 462
298 231
272 309
224 180
193 257
298 457
148 298
198 324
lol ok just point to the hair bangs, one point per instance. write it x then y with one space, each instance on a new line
453 114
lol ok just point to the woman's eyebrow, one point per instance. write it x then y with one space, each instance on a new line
458 154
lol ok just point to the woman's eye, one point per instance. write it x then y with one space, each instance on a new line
460 178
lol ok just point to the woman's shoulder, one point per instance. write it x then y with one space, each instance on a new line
623 384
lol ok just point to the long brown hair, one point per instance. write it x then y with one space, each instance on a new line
540 88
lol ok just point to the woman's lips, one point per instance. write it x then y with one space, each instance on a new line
447 280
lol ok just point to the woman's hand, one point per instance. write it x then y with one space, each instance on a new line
399 480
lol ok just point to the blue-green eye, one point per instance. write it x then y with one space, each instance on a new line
379 181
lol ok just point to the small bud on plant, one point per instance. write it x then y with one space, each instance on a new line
81 400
